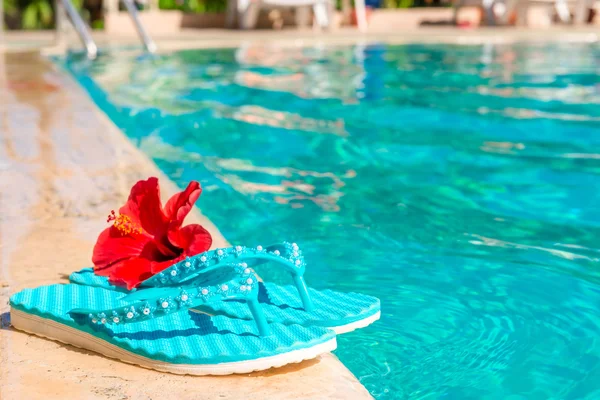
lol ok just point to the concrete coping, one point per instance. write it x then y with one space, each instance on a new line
63 167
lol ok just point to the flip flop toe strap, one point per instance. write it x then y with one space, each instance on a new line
286 255
239 283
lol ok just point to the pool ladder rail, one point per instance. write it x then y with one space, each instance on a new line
86 37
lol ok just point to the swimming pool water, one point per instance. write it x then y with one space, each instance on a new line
460 184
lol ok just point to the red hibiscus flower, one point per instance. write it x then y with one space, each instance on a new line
146 238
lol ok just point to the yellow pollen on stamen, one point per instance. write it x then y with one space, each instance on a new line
125 225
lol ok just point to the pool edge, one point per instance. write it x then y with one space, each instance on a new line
82 167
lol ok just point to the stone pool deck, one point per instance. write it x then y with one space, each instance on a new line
399 33
63 167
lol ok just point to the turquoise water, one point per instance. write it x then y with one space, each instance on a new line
460 184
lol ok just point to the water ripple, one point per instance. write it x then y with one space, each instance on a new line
460 184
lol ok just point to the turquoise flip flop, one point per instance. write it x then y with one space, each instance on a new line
297 304
154 329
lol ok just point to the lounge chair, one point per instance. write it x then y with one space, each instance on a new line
498 12
564 9
247 11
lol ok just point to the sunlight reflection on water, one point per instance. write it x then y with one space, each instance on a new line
460 184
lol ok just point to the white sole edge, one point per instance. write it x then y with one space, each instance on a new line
356 324
352 326
59 332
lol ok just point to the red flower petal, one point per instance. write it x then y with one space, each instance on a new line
112 246
179 206
157 267
144 207
193 239
166 249
144 239
131 272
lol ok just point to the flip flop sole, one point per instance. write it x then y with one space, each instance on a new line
179 343
61 333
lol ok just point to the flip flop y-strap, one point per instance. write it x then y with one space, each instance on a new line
236 283
286 255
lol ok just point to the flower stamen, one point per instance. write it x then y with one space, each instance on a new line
111 216
123 223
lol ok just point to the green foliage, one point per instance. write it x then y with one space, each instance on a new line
38 15
400 3
78 4
194 6
167 5
29 14
98 24
11 7
415 3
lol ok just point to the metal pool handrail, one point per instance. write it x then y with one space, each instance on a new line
86 37
144 37
81 28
